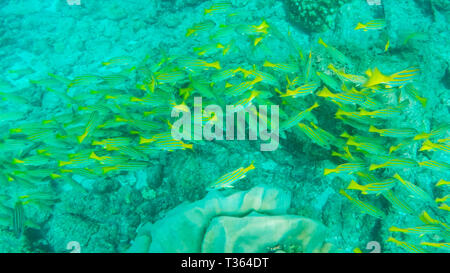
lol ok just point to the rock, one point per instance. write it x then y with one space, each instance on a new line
183 228
256 233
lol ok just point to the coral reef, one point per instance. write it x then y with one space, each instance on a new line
313 15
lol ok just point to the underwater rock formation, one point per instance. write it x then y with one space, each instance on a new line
211 224
257 233
313 15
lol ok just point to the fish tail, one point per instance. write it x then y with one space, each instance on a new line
108 169
355 186
395 229
190 31
188 146
64 163
322 42
375 166
268 64
427 145
325 92
359 26
373 129
250 167
216 65
422 101
422 136
351 141
328 171
143 140
399 178
81 138
341 191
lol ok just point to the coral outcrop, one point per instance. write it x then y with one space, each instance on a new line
313 15
247 221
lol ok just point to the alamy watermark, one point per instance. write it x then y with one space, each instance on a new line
212 128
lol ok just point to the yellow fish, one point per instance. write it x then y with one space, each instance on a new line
398 79
202 26
428 145
375 24
227 180
218 7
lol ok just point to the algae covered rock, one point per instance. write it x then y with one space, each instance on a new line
208 225
313 15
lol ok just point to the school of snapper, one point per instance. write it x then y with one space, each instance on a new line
119 122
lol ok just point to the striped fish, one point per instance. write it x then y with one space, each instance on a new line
282 67
114 79
344 77
375 24
244 103
330 138
364 207
239 89
170 77
227 180
397 133
419 230
369 147
412 92
92 123
353 116
128 166
415 191
442 182
347 98
18 219
218 7
209 49
301 91
132 152
297 118
444 246
111 144
223 75
34 160
395 163
172 144
198 27
406 246
314 135
403 77
329 81
435 165
197 65
436 132
373 188
428 145
398 79
121 60
388 112
397 203
427 219
334 53
346 168
265 77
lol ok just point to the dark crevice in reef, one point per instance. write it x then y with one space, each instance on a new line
446 79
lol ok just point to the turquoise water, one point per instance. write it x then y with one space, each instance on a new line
357 126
